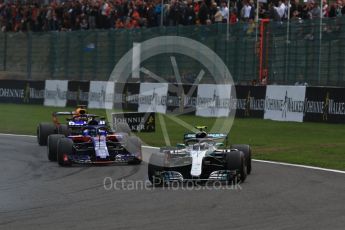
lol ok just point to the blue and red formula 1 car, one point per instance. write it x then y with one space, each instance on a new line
96 144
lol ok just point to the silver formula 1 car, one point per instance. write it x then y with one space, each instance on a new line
202 157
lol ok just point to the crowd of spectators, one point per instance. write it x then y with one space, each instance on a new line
38 15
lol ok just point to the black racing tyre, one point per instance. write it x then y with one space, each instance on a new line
65 147
133 146
156 164
64 130
235 161
135 161
247 154
52 144
44 129
123 128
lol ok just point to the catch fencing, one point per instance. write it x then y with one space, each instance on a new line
311 51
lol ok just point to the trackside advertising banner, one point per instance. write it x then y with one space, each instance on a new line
325 104
126 96
152 97
55 93
213 100
101 95
78 93
22 92
285 103
138 122
281 103
182 99
250 101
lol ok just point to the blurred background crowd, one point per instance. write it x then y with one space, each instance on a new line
38 15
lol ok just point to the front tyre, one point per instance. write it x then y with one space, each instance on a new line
52 144
235 161
64 150
247 155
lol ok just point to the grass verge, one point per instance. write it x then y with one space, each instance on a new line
314 144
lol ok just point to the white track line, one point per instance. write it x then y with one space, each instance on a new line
16 135
300 166
261 161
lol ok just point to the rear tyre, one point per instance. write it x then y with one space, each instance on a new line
155 166
123 128
65 149
235 161
44 129
247 155
52 144
133 146
64 130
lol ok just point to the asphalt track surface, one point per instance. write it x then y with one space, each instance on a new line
37 194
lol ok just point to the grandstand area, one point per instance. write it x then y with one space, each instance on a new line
296 48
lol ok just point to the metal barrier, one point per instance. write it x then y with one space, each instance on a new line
310 51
